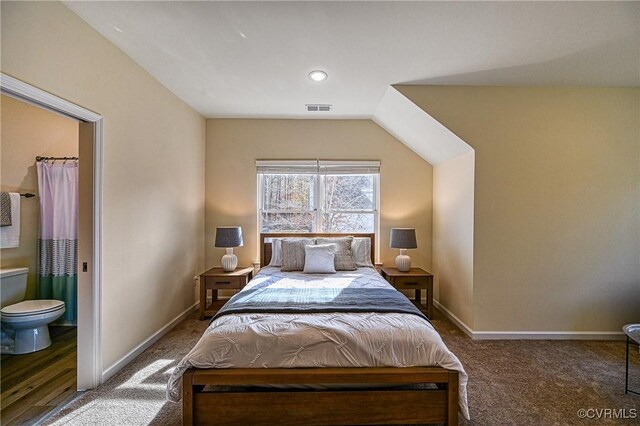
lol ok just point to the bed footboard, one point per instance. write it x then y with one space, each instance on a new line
320 407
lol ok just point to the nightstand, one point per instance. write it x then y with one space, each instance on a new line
216 279
416 279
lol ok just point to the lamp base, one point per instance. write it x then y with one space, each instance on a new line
403 261
229 261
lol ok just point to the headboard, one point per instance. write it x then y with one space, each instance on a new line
265 247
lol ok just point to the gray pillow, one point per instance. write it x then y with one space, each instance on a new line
344 258
293 253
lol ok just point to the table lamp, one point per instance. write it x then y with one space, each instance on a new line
403 239
228 237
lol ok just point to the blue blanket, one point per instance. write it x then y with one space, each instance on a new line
318 300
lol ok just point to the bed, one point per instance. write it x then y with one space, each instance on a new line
342 367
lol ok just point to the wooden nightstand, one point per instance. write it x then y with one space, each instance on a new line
216 279
416 279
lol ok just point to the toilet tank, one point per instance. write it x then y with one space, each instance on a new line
13 285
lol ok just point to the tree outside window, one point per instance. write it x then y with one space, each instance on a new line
337 203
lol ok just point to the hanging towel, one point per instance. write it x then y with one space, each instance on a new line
5 209
10 235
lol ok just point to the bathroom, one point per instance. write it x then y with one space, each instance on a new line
38 372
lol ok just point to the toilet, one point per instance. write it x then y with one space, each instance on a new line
25 323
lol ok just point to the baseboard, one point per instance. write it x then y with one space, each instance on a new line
528 335
454 319
118 365
548 335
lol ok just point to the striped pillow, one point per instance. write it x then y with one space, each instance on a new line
344 258
293 253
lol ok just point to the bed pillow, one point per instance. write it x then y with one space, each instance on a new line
276 252
293 253
361 251
320 259
344 258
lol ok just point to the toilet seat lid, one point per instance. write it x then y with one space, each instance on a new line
31 307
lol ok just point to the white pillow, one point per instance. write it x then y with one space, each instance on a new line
320 259
361 251
276 252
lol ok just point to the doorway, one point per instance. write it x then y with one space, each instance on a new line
89 363
37 260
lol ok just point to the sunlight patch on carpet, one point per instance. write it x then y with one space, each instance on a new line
145 380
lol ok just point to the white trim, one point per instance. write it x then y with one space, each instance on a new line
97 254
528 335
45 99
376 229
548 335
457 321
89 375
318 203
259 216
115 367
37 105
352 211
288 211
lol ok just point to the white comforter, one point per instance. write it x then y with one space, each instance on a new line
319 339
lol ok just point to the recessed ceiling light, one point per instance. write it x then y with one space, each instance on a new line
318 75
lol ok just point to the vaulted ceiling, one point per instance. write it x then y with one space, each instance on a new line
251 59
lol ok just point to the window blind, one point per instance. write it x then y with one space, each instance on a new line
275 167
348 167
328 167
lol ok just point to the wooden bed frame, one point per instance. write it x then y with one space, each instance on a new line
266 406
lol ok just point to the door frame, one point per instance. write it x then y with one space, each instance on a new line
89 361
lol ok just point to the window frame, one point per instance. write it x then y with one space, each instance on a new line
318 211
376 197
261 209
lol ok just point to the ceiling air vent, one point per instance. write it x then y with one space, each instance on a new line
318 107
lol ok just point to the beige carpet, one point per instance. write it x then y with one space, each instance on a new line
512 382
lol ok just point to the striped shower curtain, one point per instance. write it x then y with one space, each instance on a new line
58 236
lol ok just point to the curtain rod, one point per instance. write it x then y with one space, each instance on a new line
56 158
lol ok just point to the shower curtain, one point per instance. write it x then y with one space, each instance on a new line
58 236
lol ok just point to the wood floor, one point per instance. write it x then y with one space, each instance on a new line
33 384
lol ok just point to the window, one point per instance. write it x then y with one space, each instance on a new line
318 196
288 202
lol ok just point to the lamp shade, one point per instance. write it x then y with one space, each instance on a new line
228 236
403 238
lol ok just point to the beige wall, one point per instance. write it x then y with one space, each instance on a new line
557 203
29 131
153 214
453 201
233 146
